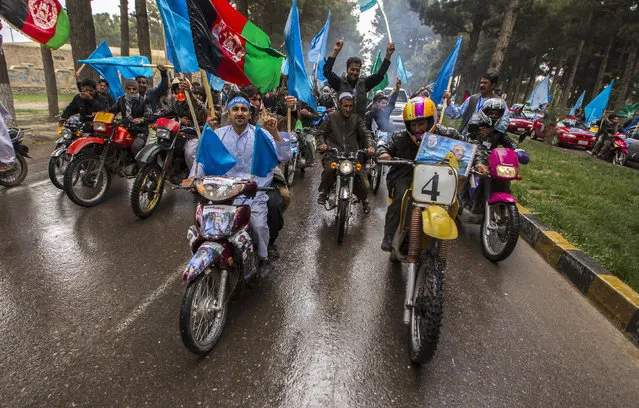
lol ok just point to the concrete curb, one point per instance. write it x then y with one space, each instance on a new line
613 298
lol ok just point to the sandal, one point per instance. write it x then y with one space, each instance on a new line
366 206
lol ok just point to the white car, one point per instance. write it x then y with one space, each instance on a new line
396 118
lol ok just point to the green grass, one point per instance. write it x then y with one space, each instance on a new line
41 97
595 205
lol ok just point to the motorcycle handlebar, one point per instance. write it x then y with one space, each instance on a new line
396 162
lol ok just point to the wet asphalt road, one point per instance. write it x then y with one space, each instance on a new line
89 302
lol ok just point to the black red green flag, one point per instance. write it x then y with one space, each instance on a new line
229 46
45 21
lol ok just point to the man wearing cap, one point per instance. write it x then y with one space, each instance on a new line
238 138
136 112
346 132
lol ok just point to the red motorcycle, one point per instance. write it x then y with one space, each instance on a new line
223 259
618 151
88 175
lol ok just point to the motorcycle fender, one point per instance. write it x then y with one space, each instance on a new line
148 153
344 193
59 152
205 256
501 197
437 223
60 142
83 142
22 149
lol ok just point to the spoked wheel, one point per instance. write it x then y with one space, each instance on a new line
57 167
202 313
342 220
620 158
500 231
17 174
428 310
289 170
147 190
84 182
377 178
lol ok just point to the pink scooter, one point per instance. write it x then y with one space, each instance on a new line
489 202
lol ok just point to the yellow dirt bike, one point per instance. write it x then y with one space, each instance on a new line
426 226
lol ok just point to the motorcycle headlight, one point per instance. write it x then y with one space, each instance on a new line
67 133
346 167
217 189
163 133
99 127
506 171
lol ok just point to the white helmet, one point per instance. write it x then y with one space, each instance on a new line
498 108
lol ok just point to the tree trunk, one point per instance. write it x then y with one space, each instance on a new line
467 58
602 69
514 97
242 7
82 34
575 66
555 84
6 96
144 38
50 81
124 28
627 77
507 27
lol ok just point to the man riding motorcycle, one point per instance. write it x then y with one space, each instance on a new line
346 132
605 134
86 103
135 110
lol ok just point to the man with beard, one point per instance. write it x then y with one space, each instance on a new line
153 95
136 112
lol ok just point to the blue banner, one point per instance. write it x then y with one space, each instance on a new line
595 109
298 85
366 4
447 71
264 154
578 104
540 96
177 31
401 70
212 154
109 73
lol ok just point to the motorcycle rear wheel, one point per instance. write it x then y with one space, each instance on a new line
504 234
428 310
146 193
201 327
342 220
57 167
17 174
82 171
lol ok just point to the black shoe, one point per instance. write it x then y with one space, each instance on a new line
321 199
273 252
387 244
265 268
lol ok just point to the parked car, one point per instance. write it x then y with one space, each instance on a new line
569 131
520 125
632 140
527 113
397 118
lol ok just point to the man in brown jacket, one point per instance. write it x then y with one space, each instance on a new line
345 131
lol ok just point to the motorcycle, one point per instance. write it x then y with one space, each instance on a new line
618 151
18 172
427 226
489 202
69 131
299 147
374 170
88 175
224 258
159 162
341 196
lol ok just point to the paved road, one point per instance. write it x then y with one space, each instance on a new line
89 317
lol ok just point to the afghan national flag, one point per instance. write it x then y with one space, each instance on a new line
229 46
45 21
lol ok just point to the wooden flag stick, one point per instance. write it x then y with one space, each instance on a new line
75 75
209 95
381 8
444 105
288 119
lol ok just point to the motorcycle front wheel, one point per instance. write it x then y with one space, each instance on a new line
202 313
84 182
17 174
500 231
57 167
620 158
377 178
147 190
427 312
342 220
289 170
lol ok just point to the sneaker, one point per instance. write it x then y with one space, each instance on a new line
366 206
273 252
387 244
321 199
4 167
265 268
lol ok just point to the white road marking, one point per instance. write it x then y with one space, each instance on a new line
147 302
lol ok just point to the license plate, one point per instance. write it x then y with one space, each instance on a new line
583 142
521 129
434 184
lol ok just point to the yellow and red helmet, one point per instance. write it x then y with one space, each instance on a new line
419 108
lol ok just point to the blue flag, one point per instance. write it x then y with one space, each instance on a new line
129 67
177 30
108 73
595 109
317 53
212 154
217 84
264 154
578 104
540 95
298 85
401 70
366 4
447 71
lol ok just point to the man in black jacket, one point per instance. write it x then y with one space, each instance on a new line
352 82
136 112
153 95
86 103
346 132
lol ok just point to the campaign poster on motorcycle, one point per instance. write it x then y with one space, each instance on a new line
217 220
435 148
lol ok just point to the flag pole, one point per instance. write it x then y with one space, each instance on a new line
444 106
381 8
193 116
76 74
207 88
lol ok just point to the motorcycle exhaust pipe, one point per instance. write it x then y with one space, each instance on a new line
410 289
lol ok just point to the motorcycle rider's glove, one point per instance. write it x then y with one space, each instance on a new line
522 156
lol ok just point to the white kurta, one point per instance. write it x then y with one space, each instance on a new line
7 154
